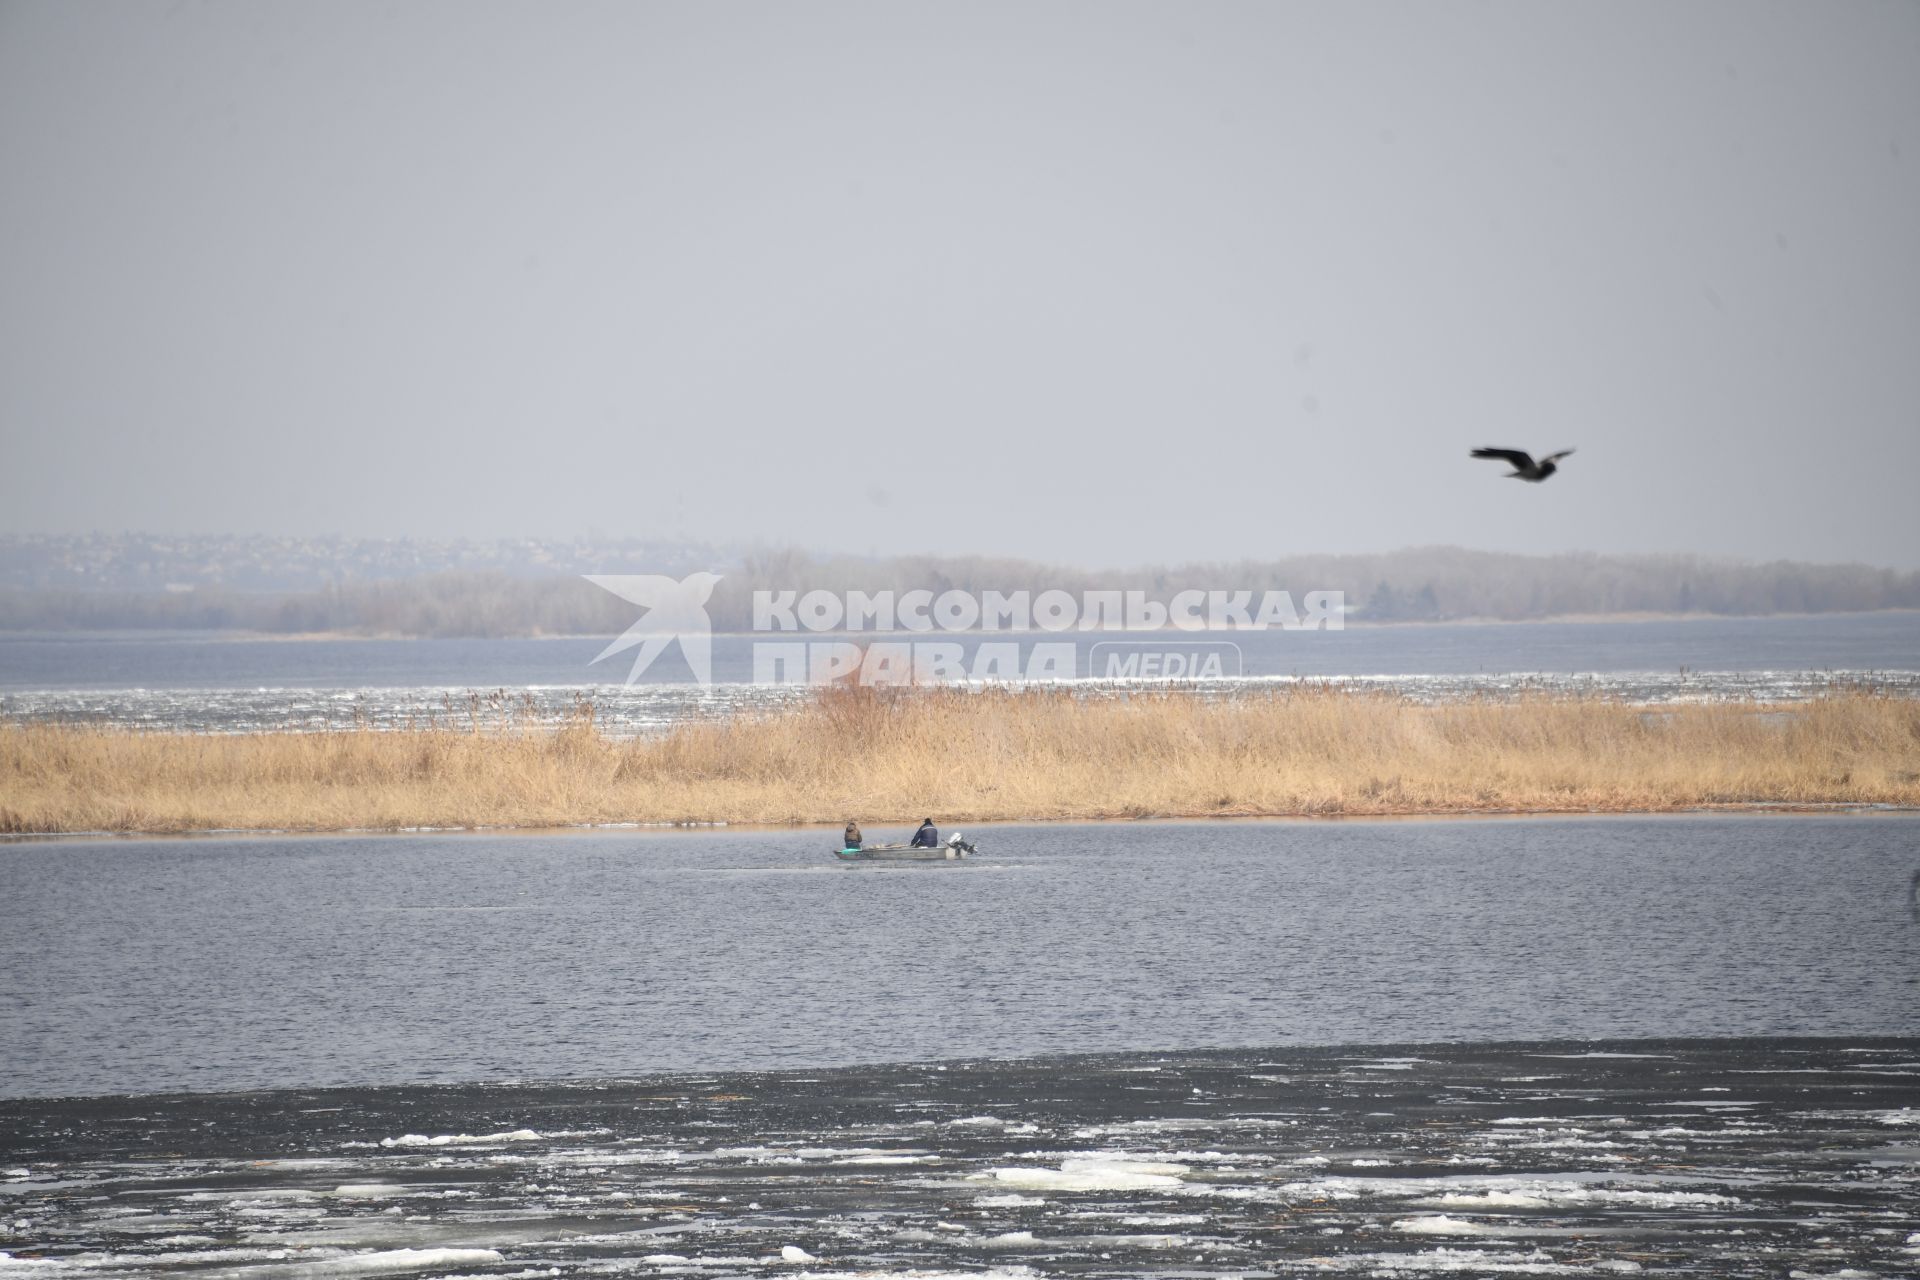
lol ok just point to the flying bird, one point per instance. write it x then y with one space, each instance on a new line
1524 467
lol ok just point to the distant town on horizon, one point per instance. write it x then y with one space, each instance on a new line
533 586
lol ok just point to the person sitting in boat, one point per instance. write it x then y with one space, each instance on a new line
927 837
853 836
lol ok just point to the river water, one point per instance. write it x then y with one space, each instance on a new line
212 964
223 684
717 1053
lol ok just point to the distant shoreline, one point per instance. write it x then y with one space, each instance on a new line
387 590
886 758
898 830
238 634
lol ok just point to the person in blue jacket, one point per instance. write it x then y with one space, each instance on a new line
927 837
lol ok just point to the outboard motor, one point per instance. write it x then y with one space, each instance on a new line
959 845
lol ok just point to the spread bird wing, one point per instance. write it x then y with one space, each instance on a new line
1555 457
1513 457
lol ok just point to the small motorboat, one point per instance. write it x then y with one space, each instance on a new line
955 847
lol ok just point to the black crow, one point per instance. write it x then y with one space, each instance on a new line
1524 467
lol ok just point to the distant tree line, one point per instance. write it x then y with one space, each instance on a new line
1417 585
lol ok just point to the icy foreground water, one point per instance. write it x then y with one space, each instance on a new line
1787 1158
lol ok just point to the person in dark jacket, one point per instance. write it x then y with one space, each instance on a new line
853 835
927 837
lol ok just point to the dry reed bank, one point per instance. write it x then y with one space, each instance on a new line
972 757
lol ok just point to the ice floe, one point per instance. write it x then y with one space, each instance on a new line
461 1139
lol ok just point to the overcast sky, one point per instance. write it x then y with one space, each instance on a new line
1090 282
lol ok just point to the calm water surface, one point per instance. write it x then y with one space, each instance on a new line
1884 641
240 963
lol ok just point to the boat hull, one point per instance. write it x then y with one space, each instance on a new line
899 853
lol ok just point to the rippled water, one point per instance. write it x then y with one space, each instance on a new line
245 963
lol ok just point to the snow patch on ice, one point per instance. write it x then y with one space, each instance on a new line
992 1273
1153 1241
1501 1192
1114 1174
396 1261
1391 1064
1551 1195
1439 1224
1448 1261
460 1139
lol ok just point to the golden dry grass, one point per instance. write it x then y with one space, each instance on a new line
971 757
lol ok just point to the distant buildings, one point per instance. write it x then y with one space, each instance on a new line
250 563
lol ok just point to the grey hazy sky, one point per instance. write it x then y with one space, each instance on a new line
1107 283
